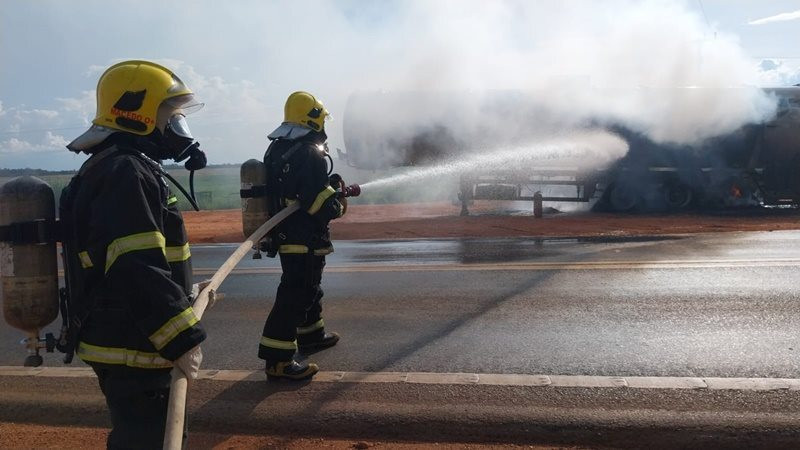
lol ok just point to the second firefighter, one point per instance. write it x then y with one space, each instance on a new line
297 171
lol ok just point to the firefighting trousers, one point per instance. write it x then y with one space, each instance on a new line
297 312
138 410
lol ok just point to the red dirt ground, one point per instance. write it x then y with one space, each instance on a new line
442 220
29 436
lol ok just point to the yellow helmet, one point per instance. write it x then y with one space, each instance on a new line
304 109
130 93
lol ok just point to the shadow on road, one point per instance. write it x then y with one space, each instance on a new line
238 402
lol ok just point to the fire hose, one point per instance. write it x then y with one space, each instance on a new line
176 410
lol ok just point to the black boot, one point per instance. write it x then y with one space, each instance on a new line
290 370
317 342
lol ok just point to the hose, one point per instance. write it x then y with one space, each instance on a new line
191 184
185 194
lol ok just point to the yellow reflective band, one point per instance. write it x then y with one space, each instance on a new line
178 254
323 251
86 261
121 356
289 201
296 249
311 328
321 197
139 241
172 200
282 345
173 327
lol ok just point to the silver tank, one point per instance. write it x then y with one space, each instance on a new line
29 272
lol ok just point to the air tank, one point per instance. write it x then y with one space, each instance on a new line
29 271
253 177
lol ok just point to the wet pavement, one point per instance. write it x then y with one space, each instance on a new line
702 305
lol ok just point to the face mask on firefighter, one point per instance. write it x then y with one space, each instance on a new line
181 144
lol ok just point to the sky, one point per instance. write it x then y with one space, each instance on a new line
243 58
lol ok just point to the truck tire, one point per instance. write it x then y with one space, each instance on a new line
622 198
677 196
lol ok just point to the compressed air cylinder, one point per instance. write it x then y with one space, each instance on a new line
29 272
253 176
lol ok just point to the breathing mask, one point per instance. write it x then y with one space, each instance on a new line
181 145
176 141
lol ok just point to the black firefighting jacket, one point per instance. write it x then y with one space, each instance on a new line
297 172
135 265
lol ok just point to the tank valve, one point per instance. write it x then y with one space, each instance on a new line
33 343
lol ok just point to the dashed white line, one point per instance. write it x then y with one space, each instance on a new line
493 379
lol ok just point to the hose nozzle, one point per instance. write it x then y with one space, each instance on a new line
353 190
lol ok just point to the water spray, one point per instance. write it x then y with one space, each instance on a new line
589 148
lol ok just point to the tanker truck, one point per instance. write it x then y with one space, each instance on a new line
755 164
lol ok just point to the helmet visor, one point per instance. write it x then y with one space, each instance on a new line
185 104
177 124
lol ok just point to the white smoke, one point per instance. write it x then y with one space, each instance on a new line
628 62
615 60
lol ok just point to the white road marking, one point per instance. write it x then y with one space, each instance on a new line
495 379
534 266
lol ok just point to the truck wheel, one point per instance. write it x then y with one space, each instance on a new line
678 196
623 198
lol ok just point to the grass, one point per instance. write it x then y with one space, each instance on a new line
218 188
215 187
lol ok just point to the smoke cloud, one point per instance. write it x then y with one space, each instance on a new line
513 73
620 61
616 61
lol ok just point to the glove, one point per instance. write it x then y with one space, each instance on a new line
189 362
342 199
213 295
197 288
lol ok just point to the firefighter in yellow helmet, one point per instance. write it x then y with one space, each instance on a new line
297 172
129 272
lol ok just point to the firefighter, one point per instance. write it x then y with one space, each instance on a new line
134 266
297 172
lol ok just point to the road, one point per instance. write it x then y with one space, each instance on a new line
704 306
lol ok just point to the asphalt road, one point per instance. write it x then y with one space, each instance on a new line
714 305
704 306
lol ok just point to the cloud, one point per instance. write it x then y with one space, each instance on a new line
47 114
15 145
774 72
783 17
32 130
54 140
81 107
